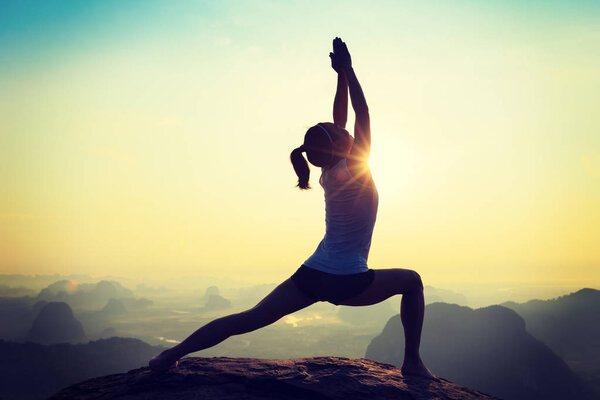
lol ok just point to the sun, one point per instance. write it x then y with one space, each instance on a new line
393 165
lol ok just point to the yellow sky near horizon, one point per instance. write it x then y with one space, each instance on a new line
161 151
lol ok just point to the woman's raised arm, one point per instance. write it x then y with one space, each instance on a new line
362 126
340 102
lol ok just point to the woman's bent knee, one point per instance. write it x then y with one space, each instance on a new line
416 283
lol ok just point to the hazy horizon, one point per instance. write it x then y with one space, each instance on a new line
150 140
476 295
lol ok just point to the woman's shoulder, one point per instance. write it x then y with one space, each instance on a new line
359 170
349 171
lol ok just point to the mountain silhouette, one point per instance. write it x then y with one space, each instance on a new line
56 324
216 302
570 326
113 308
211 291
16 317
132 303
85 295
487 349
108 333
10 291
30 371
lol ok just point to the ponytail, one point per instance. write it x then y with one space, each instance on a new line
301 167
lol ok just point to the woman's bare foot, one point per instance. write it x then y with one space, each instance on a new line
417 368
163 361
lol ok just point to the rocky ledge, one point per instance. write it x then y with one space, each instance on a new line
249 378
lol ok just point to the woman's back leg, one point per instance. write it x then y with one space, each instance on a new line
283 300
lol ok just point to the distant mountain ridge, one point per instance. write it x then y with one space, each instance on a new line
30 371
85 295
487 349
56 323
567 325
570 326
20 291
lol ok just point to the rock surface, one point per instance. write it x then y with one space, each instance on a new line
247 378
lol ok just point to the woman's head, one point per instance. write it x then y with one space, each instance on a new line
324 144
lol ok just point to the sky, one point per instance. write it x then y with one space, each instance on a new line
151 139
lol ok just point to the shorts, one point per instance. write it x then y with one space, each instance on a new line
334 288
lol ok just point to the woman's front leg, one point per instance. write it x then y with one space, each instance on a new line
387 283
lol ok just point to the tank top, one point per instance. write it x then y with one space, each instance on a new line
350 213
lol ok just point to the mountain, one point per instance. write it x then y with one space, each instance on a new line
84 295
570 326
9 291
30 371
56 324
318 378
132 303
211 291
216 302
487 349
16 317
113 308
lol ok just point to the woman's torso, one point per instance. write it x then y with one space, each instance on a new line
350 213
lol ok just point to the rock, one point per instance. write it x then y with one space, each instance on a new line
247 378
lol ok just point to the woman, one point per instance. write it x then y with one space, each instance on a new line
337 272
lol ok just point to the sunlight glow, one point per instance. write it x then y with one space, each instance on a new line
159 146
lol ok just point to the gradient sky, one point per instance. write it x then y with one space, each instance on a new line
152 138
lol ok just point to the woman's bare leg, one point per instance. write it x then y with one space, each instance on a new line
283 300
387 283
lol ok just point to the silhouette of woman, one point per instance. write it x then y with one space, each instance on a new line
337 271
